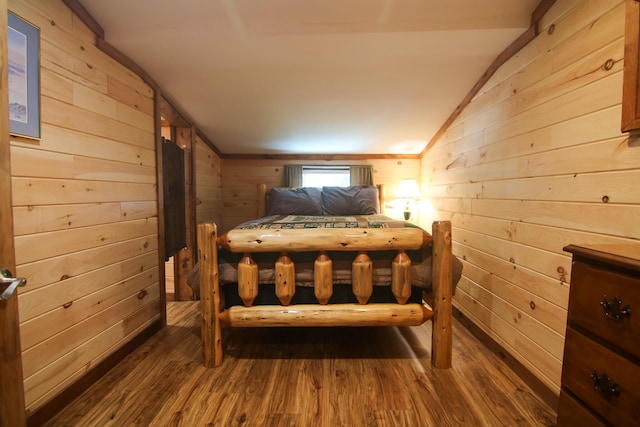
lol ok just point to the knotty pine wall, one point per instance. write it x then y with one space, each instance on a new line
241 176
85 208
208 186
534 163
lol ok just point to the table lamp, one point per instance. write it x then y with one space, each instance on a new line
408 190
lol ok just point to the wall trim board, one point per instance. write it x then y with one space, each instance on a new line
524 39
209 143
127 62
318 156
107 48
539 12
44 413
103 45
84 15
538 387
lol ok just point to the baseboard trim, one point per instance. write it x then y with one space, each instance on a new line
538 387
43 414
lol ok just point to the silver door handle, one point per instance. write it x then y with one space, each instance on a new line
13 282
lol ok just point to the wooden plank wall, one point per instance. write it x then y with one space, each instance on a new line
240 177
208 168
85 208
537 161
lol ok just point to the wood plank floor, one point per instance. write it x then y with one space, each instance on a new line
372 376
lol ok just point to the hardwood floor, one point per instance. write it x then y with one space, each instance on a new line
372 376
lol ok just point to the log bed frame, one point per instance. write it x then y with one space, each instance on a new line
324 314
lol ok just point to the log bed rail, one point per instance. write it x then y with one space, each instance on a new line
324 314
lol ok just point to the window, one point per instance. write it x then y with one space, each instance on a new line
330 176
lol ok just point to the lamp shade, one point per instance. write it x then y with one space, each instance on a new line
408 189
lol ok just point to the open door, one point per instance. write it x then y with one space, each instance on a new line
12 405
177 129
174 198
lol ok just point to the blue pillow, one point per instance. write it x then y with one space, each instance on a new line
295 201
353 200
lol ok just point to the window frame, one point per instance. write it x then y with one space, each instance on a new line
341 170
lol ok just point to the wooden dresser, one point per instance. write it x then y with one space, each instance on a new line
601 366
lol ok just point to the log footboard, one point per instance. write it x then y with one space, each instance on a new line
323 314
327 315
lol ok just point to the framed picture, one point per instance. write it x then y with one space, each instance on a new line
24 78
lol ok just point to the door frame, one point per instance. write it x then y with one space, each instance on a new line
12 402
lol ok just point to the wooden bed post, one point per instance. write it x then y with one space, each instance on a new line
442 274
209 295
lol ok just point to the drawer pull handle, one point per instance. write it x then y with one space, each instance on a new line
614 310
604 385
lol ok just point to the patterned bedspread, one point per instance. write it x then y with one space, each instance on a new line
305 221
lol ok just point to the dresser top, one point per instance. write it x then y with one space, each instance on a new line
625 255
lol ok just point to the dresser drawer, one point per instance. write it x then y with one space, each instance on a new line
582 357
590 285
572 414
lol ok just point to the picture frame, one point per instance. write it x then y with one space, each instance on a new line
24 77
